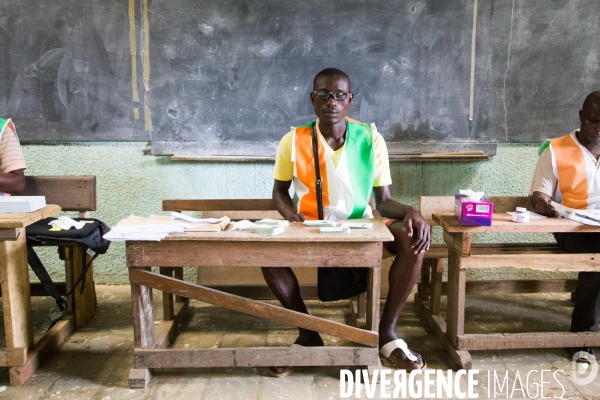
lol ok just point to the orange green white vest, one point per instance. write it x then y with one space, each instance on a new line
4 123
347 188
577 183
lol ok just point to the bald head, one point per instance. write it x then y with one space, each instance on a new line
591 101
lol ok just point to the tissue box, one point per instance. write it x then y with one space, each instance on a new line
21 204
473 212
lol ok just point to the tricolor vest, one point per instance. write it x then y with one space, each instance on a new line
346 188
569 159
4 123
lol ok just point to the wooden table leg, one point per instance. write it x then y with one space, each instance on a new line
16 299
373 300
455 320
143 330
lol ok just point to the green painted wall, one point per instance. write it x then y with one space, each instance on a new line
130 181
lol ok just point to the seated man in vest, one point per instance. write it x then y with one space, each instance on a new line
12 162
568 173
353 163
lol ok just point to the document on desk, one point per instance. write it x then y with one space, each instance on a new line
587 217
134 227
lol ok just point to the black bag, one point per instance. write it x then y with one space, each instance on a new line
90 236
335 283
341 283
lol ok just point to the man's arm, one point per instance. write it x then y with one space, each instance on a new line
13 181
541 204
416 225
284 203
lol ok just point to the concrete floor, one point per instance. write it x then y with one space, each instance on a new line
94 361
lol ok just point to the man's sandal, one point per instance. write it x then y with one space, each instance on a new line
280 372
411 359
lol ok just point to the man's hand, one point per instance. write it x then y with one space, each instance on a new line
283 201
418 229
541 204
293 217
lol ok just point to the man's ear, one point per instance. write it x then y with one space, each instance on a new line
312 98
350 97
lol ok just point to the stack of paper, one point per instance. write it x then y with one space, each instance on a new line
21 204
336 230
587 217
319 223
140 228
269 227
358 225
273 222
191 224
267 230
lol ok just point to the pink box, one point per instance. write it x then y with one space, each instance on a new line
471 212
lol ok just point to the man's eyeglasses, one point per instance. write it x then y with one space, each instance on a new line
326 95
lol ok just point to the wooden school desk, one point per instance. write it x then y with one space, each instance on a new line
462 255
21 355
298 246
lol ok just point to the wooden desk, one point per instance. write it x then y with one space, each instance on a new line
462 256
299 246
21 355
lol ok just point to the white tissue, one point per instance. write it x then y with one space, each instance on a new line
66 223
242 225
471 195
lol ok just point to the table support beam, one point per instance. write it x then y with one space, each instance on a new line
144 279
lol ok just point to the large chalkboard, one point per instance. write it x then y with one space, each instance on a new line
229 77
233 74
66 71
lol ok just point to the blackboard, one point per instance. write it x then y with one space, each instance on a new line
66 70
229 77
237 74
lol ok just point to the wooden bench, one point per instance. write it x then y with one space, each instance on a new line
74 194
431 287
249 282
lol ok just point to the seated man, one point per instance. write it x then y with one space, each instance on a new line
567 173
353 163
12 162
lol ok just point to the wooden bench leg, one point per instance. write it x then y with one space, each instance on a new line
168 305
435 291
423 288
178 274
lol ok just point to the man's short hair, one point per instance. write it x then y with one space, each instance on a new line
327 72
591 99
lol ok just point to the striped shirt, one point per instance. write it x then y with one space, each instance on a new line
11 156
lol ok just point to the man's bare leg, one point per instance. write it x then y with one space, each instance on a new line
284 285
403 275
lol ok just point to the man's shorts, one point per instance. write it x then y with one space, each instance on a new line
385 244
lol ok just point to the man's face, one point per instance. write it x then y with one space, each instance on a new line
590 123
331 111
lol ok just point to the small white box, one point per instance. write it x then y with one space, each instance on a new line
20 204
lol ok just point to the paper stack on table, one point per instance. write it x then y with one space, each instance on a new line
153 228
587 217
191 224
21 204
269 227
